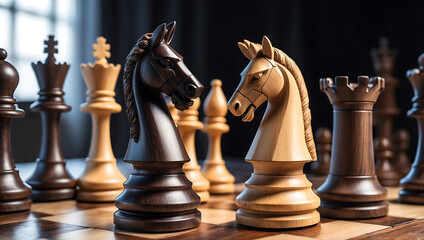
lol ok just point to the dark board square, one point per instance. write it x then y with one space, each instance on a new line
386 221
36 229
20 216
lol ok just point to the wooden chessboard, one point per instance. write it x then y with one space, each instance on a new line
72 220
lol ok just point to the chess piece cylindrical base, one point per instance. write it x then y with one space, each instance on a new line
17 205
157 197
352 197
156 222
47 195
389 182
222 188
14 192
276 220
101 181
204 196
353 210
200 183
413 186
51 182
278 195
221 180
411 196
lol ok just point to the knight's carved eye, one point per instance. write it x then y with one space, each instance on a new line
258 76
165 62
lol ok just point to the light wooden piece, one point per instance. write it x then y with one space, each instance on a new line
278 194
188 124
173 111
214 169
101 180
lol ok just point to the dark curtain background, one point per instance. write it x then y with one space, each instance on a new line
325 38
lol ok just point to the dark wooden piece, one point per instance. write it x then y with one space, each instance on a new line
323 142
14 192
352 190
401 160
387 175
385 109
157 196
51 180
413 184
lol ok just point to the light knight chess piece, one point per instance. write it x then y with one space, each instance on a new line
278 194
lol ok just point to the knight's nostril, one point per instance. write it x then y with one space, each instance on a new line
236 106
190 88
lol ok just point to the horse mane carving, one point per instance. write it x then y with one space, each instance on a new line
253 50
287 62
133 57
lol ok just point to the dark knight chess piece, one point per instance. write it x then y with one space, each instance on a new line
351 190
14 192
157 196
413 184
51 180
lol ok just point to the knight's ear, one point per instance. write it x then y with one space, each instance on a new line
170 31
158 35
245 50
267 49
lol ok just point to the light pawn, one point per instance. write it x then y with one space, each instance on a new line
188 124
214 169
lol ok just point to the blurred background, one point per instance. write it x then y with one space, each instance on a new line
325 38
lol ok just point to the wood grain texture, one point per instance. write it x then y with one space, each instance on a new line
14 192
278 194
412 230
51 180
214 169
101 180
76 220
157 196
351 190
188 123
413 184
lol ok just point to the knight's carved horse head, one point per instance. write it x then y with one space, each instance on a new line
155 67
273 76
163 69
261 80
